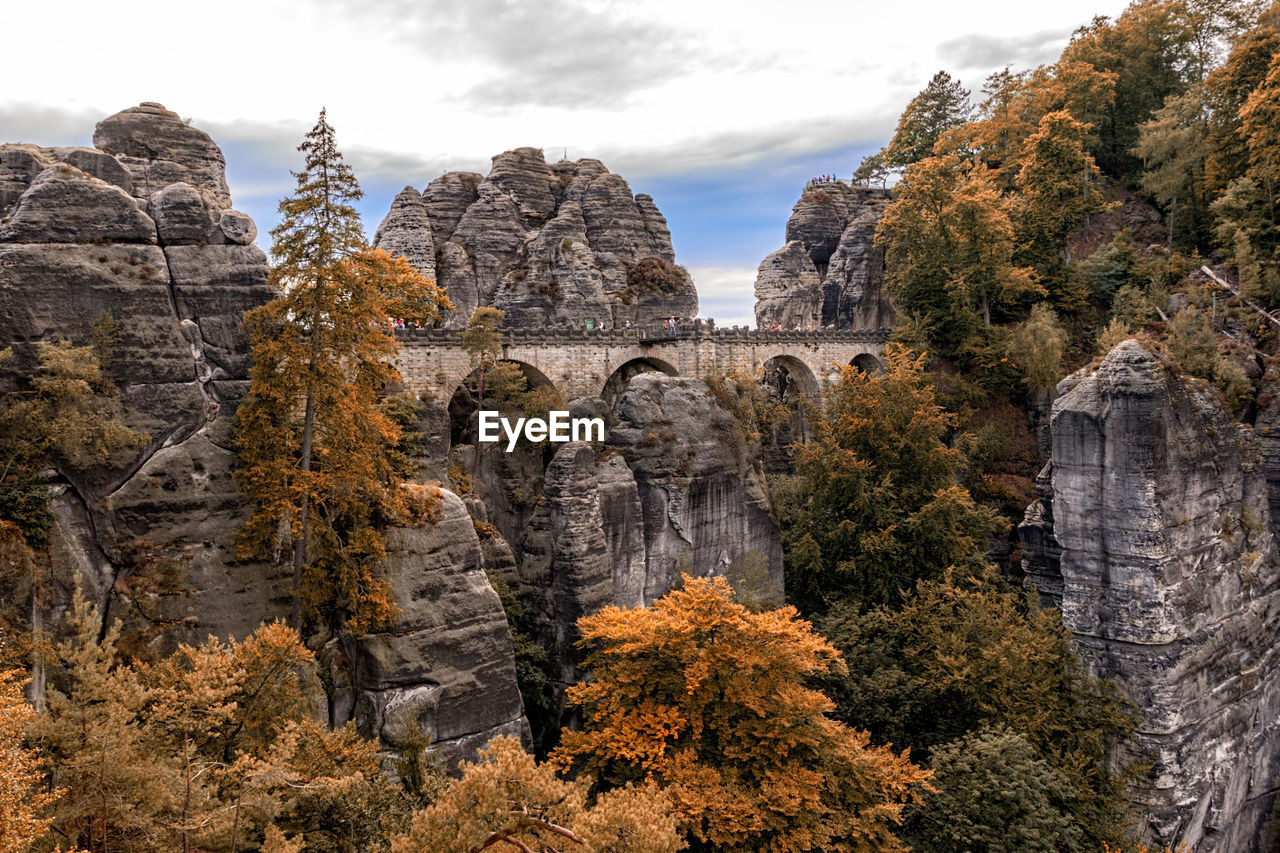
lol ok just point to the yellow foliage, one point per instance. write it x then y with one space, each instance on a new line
24 797
709 701
508 801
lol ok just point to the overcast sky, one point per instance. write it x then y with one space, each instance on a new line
720 110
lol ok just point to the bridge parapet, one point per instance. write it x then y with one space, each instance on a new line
735 334
584 362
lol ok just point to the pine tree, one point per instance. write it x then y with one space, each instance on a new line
316 447
941 105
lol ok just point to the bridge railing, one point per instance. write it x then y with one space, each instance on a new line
653 335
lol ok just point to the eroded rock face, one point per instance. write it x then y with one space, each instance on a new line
134 228
446 665
549 244
1169 581
158 148
830 274
703 502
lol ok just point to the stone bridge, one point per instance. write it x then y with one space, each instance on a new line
581 362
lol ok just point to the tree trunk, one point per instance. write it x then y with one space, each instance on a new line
300 546
1173 211
986 309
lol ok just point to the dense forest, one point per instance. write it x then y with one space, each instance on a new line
908 694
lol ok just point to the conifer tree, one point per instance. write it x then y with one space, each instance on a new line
879 505
941 105
316 447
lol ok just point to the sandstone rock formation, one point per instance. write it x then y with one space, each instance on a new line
142 227
829 273
446 664
1169 581
548 244
704 504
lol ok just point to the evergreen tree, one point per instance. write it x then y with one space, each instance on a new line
941 105
1057 192
316 448
878 498
949 252
1173 147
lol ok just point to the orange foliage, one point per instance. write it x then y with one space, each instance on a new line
709 700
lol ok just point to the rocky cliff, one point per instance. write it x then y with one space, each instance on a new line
829 273
1168 577
547 243
142 227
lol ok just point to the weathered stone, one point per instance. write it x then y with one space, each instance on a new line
1171 587
237 227
19 165
523 175
833 227
492 233
557 244
564 564
457 276
58 290
447 198
213 286
100 164
406 231
559 282
158 148
446 664
788 290
1041 553
853 293
184 496
656 226
64 205
818 219
181 217
704 503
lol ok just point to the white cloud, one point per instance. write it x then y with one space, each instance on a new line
726 293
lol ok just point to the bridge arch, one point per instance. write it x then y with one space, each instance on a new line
806 382
867 363
463 399
625 372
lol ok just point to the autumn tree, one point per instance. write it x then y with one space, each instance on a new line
876 504
1037 346
1057 192
24 796
959 656
1173 147
949 252
204 749
69 414
314 442
507 801
710 702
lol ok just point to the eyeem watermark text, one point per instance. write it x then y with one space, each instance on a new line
556 427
